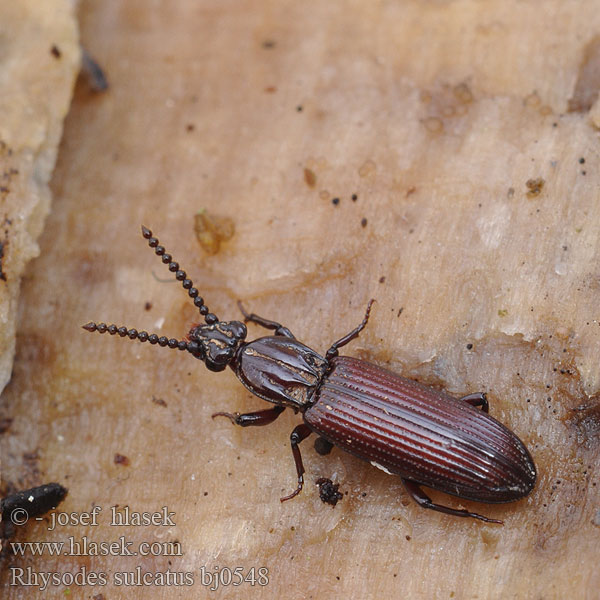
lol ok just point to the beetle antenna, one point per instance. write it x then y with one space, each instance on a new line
180 275
144 336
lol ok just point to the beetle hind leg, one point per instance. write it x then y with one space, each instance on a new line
422 499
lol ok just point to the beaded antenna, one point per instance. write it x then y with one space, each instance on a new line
143 336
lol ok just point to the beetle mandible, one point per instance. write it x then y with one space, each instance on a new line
398 425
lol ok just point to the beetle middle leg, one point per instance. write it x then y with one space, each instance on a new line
334 350
477 399
256 418
422 499
266 323
301 432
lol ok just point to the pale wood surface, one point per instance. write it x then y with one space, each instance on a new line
436 115
39 61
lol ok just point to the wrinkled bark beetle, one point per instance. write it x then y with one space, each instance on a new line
398 425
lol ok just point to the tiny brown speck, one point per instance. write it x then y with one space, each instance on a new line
147 305
159 401
382 279
363 222
55 51
463 93
5 424
120 459
535 187
310 178
190 127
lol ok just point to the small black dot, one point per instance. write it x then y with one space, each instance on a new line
469 346
363 222
354 197
335 201
581 160
299 108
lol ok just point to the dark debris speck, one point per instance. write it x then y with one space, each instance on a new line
328 491
121 459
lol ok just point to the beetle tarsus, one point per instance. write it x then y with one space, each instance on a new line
300 433
423 500
477 399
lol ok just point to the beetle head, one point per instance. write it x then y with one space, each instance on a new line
217 343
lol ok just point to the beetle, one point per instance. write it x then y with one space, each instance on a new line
400 426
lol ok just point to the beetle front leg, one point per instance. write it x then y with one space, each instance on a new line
273 325
259 417
477 399
300 433
334 350
422 499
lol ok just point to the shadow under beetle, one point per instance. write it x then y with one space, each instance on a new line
400 426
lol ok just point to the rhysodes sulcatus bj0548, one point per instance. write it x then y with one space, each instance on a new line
400 426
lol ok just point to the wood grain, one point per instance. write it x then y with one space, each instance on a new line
434 115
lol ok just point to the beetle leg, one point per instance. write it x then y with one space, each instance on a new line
300 433
277 327
422 499
259 417
333 351
477 399
323 446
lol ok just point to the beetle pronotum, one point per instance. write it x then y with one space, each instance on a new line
398 425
